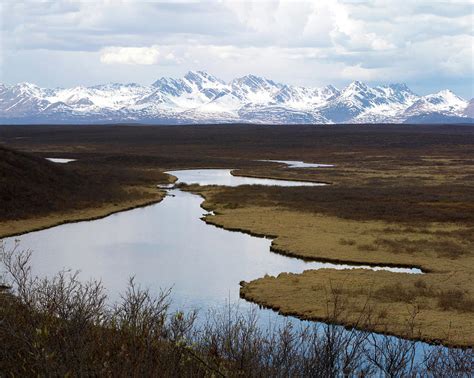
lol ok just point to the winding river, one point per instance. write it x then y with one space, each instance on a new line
168 245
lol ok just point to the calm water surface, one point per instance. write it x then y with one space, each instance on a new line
60 160
168 245
225 178
301 164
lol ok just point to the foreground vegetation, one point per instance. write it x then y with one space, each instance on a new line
62 327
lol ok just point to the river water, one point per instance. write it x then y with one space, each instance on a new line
167 245
301 164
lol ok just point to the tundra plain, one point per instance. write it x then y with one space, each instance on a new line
398 195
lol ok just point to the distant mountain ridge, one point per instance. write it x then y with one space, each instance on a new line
199 97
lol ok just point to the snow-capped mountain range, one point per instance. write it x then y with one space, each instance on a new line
199 97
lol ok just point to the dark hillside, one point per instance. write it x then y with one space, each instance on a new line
33 185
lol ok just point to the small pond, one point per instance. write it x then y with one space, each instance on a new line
60 160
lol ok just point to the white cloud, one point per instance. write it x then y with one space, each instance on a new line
130 55
307 42
360 73
135 55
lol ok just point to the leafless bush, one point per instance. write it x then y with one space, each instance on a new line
449 362
61 326
394 357
232 336
455 299
18 269
140 313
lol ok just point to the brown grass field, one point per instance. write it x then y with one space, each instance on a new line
399 195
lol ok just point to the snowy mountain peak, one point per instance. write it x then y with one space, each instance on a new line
445 92
357 91
357 84
331 88
399 87
445 96
255 82
201 97
201 77
442 102
252 89
26 87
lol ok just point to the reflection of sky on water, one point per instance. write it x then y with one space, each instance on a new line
224 178
165 245
60 160
301 164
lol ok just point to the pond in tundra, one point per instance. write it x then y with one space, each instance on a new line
168 245
60 160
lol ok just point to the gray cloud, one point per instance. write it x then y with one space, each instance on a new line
310 43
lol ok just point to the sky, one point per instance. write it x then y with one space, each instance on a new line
426 44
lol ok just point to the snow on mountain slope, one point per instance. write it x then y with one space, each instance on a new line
302 98
386 104
252 89
223 103
469 111
359 103
110 96
197 88
275 114
22 99
444 102
199 97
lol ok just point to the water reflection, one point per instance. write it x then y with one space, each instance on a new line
224 177
163 245
60 160
168 245
300 164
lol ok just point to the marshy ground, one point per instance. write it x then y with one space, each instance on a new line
399 195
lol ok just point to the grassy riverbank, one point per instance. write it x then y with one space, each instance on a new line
138 197
36 193
399 195
442 298
384 211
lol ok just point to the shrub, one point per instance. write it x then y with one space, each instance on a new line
455 299
61 326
